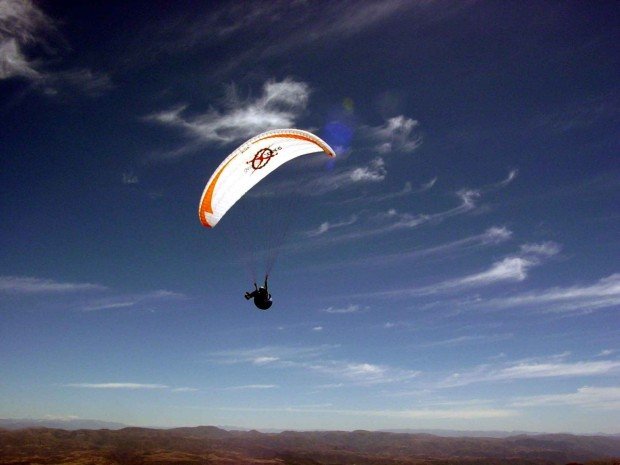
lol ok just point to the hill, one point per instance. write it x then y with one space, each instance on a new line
211 445
68 424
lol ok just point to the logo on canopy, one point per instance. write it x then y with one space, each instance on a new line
261 158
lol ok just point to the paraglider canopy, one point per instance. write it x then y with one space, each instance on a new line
243 169
249 164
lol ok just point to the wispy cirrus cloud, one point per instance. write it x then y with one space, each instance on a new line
352 308
315 359
511 268
392 220
130 300
247 387
269 354
31 285
467 339
605 352
82 296
407 189
492 236
362 373
295 25
130 386
129 178
22 24
327 226
372 172
88 82
397 220
511 177
23 27
588 397
397 134
531 369
604 293
580 114
279 106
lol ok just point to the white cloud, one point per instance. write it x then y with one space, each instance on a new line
531 370
511 177
131 300
467 340
315 359
298 24
30 285
428 185
274 355
264 360
396 135
406 190
547 249
21 24
130 178
393 220
110 305
512 268
185 389
590 397
362 373
251 387
508 269
87 81
131 386
279 106
604 293
327 226
317 328
605 352
352 308
373 172
547 370
406 220
492 236
24 25
13 63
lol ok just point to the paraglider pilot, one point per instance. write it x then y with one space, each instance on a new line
261 296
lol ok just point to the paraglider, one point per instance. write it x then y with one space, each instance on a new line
243 169
261 296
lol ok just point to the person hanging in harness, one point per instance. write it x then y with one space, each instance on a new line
261 296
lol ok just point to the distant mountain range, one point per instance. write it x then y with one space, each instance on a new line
216 446
73 424
70 424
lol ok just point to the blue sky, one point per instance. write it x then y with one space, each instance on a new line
456 267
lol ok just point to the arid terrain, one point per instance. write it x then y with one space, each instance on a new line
211 445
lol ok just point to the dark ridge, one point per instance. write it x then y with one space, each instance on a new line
209 444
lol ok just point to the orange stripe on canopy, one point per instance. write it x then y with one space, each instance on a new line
205 204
